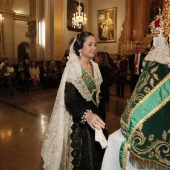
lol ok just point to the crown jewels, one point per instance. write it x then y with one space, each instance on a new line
161 24
157 25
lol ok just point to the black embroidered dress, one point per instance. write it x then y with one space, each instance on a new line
87 154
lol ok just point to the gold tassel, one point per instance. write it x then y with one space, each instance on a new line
141 163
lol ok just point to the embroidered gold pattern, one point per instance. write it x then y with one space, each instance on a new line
158 147
138 125
151 137
137 99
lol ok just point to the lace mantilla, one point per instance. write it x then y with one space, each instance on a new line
161 52
54 137
75 77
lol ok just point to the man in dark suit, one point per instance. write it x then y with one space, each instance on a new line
135 65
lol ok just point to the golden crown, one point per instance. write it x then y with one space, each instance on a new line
157 25
161 23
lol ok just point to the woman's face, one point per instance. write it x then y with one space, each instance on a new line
89 47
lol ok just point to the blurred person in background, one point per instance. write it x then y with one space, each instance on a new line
23 77
8 74
105 70
53 74
34 74
135 65
44 74
120 73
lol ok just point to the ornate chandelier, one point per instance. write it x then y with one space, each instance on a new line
79 18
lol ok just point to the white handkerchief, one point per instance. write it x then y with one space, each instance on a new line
99 137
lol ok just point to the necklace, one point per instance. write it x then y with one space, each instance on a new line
92 69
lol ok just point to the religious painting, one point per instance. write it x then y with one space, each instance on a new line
72 9
31 29
107 25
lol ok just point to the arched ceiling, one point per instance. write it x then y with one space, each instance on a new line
17 6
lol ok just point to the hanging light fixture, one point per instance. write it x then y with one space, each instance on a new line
79 18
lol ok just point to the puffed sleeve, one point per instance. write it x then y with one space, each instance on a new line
75 104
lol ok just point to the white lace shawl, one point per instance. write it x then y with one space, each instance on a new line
60 118
161 53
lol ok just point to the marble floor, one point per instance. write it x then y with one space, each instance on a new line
23 121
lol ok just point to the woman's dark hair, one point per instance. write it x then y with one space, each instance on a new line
81 38
103 58
35 64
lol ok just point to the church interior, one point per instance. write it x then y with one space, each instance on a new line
43 29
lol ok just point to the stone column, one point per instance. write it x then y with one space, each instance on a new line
33 4
89 15
58 29
128 20
125 44
138 19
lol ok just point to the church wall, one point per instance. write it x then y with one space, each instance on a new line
15 13
21 6
8 26
20 27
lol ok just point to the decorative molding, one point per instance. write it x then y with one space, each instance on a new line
14 15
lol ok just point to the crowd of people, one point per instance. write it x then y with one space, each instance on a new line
24 73
6 74
49 73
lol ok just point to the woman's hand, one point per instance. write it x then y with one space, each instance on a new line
94 121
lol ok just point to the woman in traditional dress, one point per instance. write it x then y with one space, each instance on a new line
75 122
